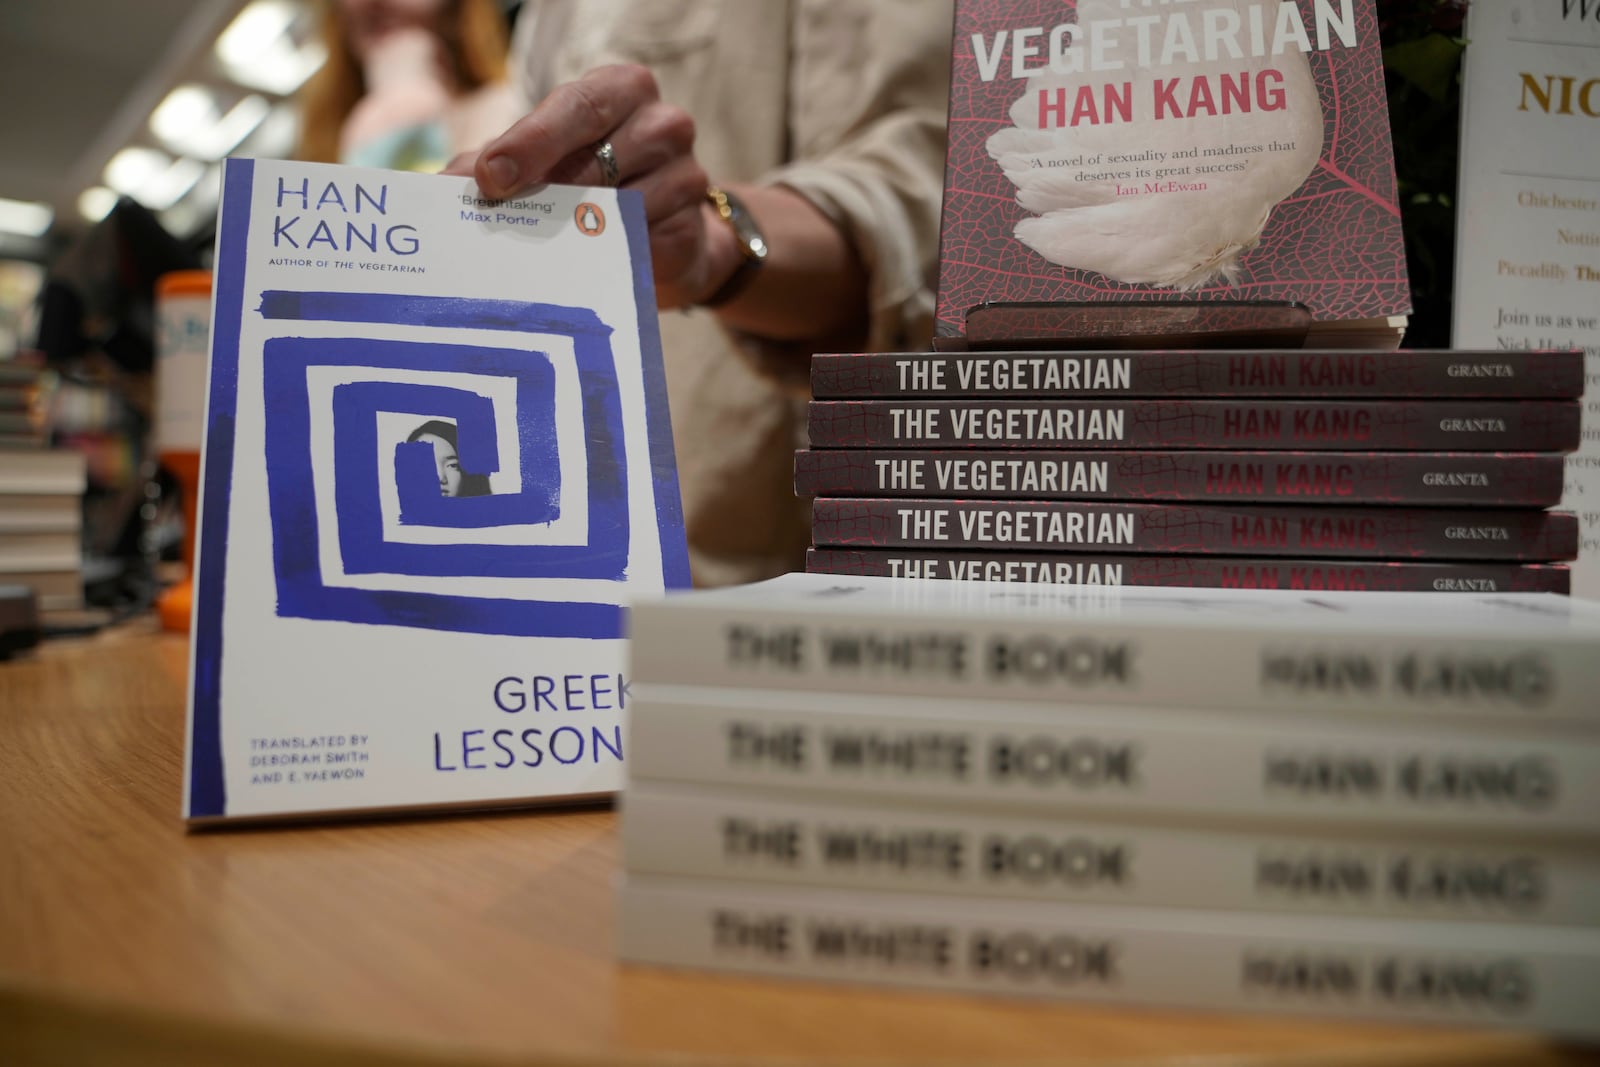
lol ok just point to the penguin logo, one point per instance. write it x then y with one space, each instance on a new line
590 219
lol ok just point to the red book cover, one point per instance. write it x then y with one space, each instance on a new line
1210 572
1217 150
1519 534
1434 479
1422 425
1432 373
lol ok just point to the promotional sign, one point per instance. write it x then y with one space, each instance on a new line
1528 246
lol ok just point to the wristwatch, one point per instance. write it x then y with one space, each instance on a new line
752 246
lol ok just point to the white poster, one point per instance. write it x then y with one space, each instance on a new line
1528 252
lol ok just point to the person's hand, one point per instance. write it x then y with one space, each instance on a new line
653 145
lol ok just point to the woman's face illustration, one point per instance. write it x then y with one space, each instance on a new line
444 457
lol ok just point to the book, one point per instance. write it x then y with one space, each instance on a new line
1172 761
694 830
40 550
1485 534
1400 970
44 471
58 589
437 466
40 512
1444 426
1221 572
1205 151
1420 373
1463 479
1528 659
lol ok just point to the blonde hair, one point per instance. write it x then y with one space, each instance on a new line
475 39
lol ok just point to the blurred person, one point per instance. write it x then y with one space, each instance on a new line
821 123
407 84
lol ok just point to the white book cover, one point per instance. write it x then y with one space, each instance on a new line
1528 210
1390 775
437 466
1529 659
945 846
1401 970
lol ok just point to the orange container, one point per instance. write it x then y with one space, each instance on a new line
183 353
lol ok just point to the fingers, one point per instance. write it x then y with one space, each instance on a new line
462 163
654 137
667 190
572 118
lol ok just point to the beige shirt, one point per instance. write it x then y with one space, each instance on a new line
843 101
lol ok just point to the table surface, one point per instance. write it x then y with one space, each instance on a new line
482 939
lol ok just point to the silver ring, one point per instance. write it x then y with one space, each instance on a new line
610 176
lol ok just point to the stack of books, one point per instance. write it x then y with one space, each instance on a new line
1376 805
1276 469
41 498
1168 281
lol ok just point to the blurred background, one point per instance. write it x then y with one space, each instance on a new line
119 114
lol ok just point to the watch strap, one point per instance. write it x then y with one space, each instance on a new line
752 248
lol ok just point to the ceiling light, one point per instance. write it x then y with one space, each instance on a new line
130 168
258 50
187 111
275 137
253 31
25 218
197 206
166 188
280 69
240 122
95 203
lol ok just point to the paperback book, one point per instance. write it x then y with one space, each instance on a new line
1426 425
437 465
1522 535
1530 660
1218 572
1221 150
1168 761
1463 479
1401 970
1418 373
691 829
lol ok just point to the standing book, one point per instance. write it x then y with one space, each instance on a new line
1221 150
437 465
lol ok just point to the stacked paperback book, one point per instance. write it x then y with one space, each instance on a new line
1299 469
1376 805
41 499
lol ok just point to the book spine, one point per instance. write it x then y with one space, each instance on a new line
708 832
1522 535
1541 681
1215 572
1470 479
1487 374
1316 425
1390 970
1115 762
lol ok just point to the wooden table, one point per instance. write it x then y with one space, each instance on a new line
464 940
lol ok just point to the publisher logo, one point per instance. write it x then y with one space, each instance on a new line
590 218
